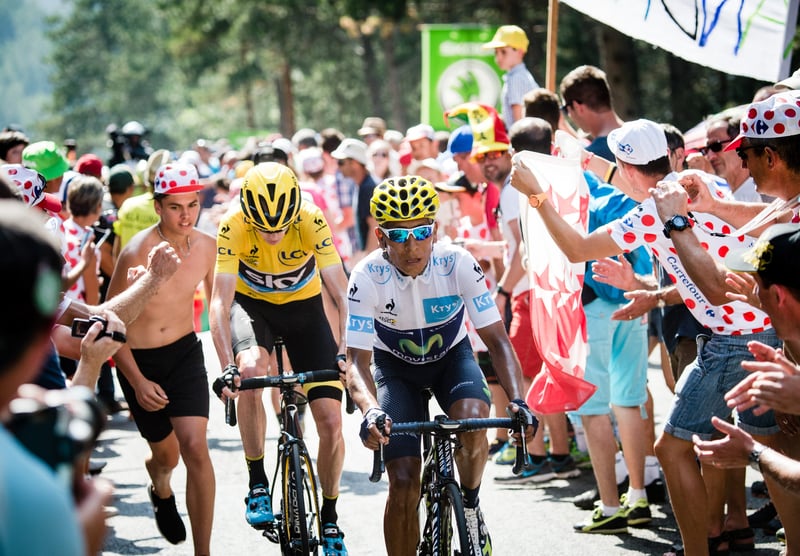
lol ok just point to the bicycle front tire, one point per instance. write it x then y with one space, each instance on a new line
294 505
447 526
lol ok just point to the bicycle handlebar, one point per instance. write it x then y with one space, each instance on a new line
443 425
275 382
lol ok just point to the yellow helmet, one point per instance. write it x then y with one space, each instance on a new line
403 199
270 196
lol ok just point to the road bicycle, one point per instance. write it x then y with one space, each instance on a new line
441 504
297 527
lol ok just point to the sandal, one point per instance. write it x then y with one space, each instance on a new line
741 540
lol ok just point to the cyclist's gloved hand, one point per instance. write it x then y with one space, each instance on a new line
226 379
374 416
524 416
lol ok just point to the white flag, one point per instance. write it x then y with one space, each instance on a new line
740 37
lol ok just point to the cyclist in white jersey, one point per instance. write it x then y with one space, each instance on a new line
407 303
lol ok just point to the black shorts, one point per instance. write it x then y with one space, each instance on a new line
179 368
304 329
456 376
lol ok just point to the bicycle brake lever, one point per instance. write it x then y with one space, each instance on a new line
378 465
230 411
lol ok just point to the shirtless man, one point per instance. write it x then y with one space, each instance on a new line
162 372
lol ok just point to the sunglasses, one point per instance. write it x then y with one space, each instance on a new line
491 155
401 235
564 107
714 147
380 154
742 151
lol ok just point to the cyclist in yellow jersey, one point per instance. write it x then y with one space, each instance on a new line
273 252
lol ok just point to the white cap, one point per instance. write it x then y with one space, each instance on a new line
638 142
420 131
351 148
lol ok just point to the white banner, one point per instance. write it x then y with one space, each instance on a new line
740 37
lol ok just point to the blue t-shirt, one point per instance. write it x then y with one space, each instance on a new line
606 204
38 515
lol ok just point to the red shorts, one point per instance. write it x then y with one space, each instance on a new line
521 334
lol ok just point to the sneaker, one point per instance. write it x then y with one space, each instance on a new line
538 473
564 468
478 533
781 535
258 508
495 446
605 525
656 491
637 514
586 500
168 521
333 540
506 455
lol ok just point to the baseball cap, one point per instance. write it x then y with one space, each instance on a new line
509 35
351 148
306 137
31 185
773 256
310 160
156 161
177 177
120 178
46 158
420 131
285 145
488 130
458 183
460 141
791 82
638 142
772 118
90 165
372 125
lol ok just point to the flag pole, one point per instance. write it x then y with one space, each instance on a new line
552 44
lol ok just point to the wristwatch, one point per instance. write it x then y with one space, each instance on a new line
755 456
660 303
676 223
537 200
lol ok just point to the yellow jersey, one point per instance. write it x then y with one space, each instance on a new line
288 271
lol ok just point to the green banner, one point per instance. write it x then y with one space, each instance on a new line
455 69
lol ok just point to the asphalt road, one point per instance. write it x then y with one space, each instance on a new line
523 520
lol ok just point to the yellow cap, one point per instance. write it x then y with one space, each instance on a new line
509 35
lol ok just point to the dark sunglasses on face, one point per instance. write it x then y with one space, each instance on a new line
564 107
714 147
401 235
742 151
491 155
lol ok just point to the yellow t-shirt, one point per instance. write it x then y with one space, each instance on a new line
288 271
136 214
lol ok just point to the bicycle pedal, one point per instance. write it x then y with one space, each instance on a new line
271 535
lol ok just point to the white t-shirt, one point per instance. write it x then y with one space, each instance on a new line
509 212
642 226
417 319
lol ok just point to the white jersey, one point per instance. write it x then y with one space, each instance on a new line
642 226
417 319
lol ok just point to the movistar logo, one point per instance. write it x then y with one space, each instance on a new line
409 346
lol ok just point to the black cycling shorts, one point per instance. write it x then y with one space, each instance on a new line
456 376
179 368
306 335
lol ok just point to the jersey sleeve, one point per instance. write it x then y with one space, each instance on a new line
472 283
227 246
636 228
361 303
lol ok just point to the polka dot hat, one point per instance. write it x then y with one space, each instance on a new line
176 177
778 116
30 184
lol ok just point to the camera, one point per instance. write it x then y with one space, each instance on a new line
81 326
58 429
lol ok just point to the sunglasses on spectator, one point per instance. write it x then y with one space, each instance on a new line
381 154
714 147
742 151
564 107
491 155
401 235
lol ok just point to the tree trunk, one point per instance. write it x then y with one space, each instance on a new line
286 100
247 91
371 75
618 60
398 118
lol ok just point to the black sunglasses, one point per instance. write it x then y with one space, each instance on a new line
714 147
565 106
742 151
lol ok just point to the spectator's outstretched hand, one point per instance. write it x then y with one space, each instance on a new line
733 451
163 261
616 272
742 287
773 384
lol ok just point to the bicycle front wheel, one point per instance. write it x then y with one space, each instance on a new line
446 527
300 505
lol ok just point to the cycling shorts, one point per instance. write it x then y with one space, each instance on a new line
306 335
400 385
